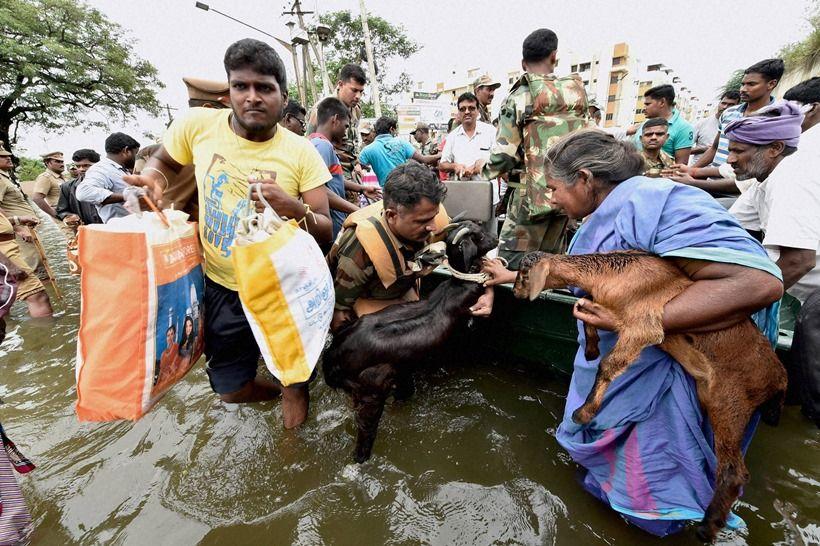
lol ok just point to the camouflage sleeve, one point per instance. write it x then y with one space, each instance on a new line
506 152
352 270
311 122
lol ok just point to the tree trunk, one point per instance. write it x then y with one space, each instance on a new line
5 127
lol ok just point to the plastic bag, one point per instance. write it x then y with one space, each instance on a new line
286 291
141 320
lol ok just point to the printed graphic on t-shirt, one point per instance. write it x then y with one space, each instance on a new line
225 196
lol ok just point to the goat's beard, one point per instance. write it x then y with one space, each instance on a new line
758 167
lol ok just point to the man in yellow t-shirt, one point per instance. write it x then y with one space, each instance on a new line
229 147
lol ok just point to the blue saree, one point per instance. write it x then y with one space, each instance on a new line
648 452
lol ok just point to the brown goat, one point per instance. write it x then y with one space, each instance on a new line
735 369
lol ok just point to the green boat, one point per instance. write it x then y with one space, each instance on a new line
545 332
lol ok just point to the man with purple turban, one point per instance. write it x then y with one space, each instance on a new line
783 203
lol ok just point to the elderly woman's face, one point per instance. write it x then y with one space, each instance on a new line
576 200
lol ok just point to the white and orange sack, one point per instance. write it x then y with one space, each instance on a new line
141 320
286 292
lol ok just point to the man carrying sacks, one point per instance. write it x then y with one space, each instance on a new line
230 148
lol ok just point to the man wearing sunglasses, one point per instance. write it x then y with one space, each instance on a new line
46 189
293 118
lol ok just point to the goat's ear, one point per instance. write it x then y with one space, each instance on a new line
538 277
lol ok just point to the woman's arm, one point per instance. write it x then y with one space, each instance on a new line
722 295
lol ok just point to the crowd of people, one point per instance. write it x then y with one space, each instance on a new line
734 200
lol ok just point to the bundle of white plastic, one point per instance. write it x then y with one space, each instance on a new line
286 291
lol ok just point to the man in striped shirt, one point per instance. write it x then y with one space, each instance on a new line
759 81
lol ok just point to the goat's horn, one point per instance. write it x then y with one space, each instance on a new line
454 223
461 233
458 217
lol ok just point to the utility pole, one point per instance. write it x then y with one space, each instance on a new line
371 65
295 56
296 9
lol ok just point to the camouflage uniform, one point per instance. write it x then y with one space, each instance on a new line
653 168
390 273
484 114
355 275
428 148
537 112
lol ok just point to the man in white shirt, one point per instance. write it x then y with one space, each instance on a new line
784 204
468 147
103 183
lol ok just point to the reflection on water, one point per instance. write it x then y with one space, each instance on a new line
469 460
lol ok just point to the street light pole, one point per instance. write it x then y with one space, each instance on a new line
371 65
299 84
283 43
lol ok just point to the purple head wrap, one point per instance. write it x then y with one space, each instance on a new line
778 121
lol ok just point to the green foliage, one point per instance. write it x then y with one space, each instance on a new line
29 168
733 84
346 45
804 54
60 60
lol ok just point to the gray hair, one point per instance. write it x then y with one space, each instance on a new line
610 160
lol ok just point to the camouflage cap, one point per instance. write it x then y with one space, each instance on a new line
53 155
420 126
486 81
365 127
199 89
592 103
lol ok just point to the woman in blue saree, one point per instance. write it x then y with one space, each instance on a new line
648 452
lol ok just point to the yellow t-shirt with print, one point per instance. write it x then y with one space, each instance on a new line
224 161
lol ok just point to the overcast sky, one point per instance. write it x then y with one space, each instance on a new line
703 40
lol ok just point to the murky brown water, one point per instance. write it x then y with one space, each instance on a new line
469 460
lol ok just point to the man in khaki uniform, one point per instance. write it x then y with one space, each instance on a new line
46 189
13 203
29 288
181 193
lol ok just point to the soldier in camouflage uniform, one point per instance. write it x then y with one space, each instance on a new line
376 260
539 110
484 89
654 133
349 90
424 144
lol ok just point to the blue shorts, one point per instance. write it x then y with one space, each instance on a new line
231 352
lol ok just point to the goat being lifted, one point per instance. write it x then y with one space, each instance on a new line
378 353
735 369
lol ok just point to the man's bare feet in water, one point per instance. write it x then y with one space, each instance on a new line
295 399
295 402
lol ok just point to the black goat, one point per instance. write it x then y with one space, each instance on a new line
377 354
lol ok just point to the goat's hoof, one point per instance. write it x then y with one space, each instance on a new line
362 456
706 532
591 354
582 415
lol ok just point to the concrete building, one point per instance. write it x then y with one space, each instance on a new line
617 79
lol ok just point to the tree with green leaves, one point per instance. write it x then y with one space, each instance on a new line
29 168
733 84
61 60
390 42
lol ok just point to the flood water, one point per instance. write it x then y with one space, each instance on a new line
470 459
